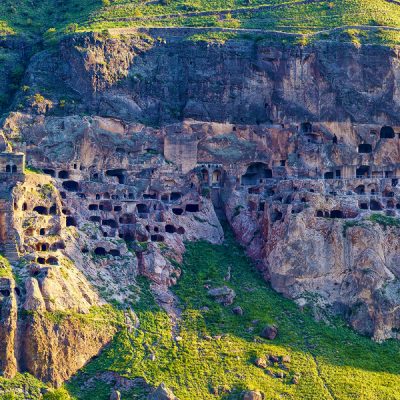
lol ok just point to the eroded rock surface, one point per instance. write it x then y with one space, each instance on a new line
142 143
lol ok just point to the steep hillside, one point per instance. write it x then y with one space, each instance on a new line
213 352
303 17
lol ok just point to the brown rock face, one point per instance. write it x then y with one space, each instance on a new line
54 351
8 327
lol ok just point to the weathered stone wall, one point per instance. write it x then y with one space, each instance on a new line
241 81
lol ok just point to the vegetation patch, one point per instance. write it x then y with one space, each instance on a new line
384 220
215 356
5 268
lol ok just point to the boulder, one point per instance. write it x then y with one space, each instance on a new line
162 393
223 295
269 332
295 380
261 362
286 359
252 395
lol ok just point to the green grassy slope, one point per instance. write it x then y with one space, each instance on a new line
291 16
34 17
332 361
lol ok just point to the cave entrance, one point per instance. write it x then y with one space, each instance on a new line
70 221
363 171
114 252
63 174
306 127
387 132
119 173
71 186
360 189
365 148
110 222
192 207
276 215
157 238
150 196
175 196
41 210
170 229
255 173
375 205
100 251
204 176
336 214
142 208
52 261
216 177
50 172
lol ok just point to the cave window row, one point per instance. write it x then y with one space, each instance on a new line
10 168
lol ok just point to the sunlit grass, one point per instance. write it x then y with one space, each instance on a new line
328 359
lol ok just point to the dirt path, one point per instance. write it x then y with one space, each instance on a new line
232 12
198 29
310 349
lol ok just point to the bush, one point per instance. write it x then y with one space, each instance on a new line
58 394
71 28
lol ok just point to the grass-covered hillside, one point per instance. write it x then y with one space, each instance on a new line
291 16
211 352
214 355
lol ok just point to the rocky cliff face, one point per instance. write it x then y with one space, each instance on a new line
161 76
144 139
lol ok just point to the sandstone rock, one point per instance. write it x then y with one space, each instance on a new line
261 362
252 395
34 299
162 393
223 295
8 327
269 332
295 380
44 350
286 359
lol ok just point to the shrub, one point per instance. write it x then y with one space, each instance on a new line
58 394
